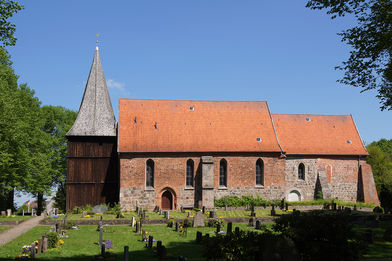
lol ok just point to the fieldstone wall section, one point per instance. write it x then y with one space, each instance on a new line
338 178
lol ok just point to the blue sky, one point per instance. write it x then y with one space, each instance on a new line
278 51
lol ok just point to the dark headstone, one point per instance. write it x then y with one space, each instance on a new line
218 227
150 241
273 213
126 253
199 237
204 210
144 235
207 236
137 227
99 209
287 206
282 204
355 207
229 228
213 213
258 224
198 220
177 226
159 243
251 222
237 230
103 250
162 252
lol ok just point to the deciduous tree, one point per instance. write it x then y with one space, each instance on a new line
370 63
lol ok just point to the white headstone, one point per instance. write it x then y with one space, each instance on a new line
9 212
133 221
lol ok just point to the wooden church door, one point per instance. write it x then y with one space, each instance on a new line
167 200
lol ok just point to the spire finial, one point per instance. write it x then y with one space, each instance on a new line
97 35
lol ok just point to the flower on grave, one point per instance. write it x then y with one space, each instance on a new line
36 241
191 216
146 232
220 217
187 211
109 244
98 214
87 216
60 242
290 210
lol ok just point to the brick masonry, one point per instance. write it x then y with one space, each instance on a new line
338 177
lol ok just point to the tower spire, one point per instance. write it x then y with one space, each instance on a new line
95 116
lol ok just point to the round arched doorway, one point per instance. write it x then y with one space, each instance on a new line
167 200
294 195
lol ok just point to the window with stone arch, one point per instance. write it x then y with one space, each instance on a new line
189 173
150 173
223 173
301 171
260 172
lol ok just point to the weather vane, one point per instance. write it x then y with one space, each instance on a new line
97 35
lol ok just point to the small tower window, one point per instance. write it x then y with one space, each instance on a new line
223 173
301 171
150 173
259 172
189 173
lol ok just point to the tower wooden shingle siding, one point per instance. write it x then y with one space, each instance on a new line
92 176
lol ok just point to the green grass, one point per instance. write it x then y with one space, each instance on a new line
82 244
3 228
14 248
15 218
174 214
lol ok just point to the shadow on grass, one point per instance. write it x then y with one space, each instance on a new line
191 250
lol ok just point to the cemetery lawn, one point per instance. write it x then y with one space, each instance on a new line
380 248
12 249
15 218
3 228
82 244
175 214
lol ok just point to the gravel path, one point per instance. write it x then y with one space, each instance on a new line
8 235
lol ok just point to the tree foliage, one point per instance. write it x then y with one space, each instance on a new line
380 158
370 63
7 29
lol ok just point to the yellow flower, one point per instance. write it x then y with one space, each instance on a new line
220 217
290 210
191 216
61 242
87 216
99 214
187 211
36 241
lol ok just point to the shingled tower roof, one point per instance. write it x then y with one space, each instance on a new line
95 117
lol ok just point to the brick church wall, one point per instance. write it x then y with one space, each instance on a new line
338 176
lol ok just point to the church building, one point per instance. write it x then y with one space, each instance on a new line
184 153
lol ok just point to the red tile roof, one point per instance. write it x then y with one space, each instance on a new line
318 134
173 126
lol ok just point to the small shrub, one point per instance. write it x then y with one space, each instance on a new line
53 238
77 210
69 224
170 223
378 210
215 222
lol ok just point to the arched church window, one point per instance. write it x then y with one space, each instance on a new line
189 173
223 173
150 173
301 171
259 172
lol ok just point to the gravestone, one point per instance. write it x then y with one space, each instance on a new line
207 236
133 221
9 212
213 214
160 212
32 212
168 214
150 241
229 228
225 204
198 220
84 214
355 207
58 228
162 252
137 210
126 253
99 209
287 206
3 213
177 226
189 214
39 250
218 227
103 250
32 251
251 222
273 210
204 210
237 230
144 236
258 224
56 211
282 204
199 237
45 244
137 227
101 236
